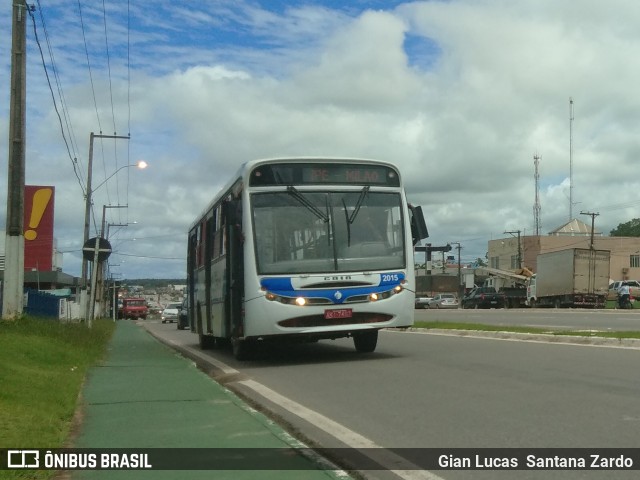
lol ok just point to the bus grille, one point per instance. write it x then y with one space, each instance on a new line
319 320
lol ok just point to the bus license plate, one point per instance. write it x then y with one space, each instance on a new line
338 313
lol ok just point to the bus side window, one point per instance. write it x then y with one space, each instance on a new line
199 257
217 238
193 242
210 238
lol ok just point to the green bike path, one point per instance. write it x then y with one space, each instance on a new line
146 396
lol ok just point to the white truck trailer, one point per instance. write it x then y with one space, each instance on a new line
576 277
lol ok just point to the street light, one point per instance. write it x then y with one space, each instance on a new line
141 164
87 211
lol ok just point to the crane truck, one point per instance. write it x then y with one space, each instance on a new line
511 283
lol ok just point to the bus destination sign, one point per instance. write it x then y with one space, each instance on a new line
366 175
323 174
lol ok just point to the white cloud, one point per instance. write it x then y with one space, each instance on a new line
234 82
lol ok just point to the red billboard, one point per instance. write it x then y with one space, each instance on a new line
38 228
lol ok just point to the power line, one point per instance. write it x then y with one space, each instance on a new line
86 51
106 42
55 105
149 256
128 96
58 82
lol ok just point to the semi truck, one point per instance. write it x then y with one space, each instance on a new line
575 277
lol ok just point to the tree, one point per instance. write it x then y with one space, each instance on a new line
628 229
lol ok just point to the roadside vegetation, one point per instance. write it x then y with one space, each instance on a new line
530 330
43 364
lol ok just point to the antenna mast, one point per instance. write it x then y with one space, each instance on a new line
536 205
570 158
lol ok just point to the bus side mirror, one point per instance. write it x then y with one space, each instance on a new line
418 226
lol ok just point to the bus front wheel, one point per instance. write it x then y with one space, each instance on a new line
365 342
241 349
206 342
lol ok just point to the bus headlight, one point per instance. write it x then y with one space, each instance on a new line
374 297
272 297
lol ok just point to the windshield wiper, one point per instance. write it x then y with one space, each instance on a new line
291 190
349 221
363 194
351 218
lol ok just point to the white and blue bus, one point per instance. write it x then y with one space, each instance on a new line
304 248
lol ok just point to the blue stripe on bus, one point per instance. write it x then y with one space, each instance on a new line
282 286
276 284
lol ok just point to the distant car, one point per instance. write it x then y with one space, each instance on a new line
484 297
634 289
171 312
155 309
444 300
183 316
423 302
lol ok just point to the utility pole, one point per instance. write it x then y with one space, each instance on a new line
13 284
593 221
87 221
101 271
88 201
459 247
517 232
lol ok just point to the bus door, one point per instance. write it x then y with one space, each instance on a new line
191 282
235 269
209 229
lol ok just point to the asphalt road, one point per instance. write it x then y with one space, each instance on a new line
428 391
552 318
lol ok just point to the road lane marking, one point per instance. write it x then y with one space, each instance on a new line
223 367
576 341
340 432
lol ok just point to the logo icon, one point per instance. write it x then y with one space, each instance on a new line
23 459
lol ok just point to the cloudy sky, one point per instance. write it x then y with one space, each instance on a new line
460 94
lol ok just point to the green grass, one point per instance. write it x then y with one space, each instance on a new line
531 330
43 364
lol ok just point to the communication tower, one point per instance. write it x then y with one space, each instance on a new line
536 205
570 158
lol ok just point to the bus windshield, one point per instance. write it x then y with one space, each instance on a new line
324 232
